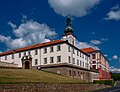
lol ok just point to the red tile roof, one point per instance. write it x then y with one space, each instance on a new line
88 50
32 47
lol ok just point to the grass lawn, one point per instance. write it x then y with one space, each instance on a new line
32 76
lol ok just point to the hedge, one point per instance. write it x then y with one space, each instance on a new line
105 82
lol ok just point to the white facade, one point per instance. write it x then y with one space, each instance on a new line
62 53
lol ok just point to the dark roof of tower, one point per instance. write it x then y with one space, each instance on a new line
68 29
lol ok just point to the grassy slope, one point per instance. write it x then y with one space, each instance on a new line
32 76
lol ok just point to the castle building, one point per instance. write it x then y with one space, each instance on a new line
99 62
58 56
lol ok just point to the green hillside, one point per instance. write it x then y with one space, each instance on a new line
32 76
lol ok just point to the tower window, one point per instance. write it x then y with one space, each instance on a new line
73 42
68 48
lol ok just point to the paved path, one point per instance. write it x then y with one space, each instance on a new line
114 89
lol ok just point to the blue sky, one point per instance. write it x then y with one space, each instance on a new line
96 23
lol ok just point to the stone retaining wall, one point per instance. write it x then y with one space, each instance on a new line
49 87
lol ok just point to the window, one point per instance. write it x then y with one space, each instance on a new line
69 59
80 54
58 48
93 56
51 60
70 72
5 57
80 63
36 61
74 73
58 58
78 73
19 55
24 53
36 52
45 60
68 48
83 64
94 62
29 53
12 56
51 49
73 42
77 62
73 51
94 66
73 60
45 50
77 53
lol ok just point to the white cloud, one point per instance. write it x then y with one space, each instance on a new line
0 51
85 45
110 59
104 39
12 25
76 8
115 57
114 70
95 42
114 14
28 33
105 55
93 33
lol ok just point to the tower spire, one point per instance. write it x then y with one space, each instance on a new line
68 29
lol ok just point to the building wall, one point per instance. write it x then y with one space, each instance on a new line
80 74
100 63
64 53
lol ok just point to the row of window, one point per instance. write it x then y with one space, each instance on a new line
80 63
52 49
78 52
36 52
52 59
77 73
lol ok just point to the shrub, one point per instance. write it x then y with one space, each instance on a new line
105 82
